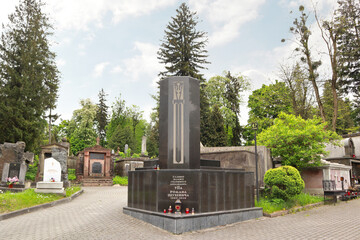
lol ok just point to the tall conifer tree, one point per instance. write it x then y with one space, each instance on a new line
102 117
29 77
183 52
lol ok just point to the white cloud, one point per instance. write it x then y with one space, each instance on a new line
116 69
226 17
99 69
143 64
80 14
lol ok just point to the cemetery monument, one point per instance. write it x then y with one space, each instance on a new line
182 194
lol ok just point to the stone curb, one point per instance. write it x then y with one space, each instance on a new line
293 210
41 206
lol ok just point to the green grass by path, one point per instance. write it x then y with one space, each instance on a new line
10 201
274 205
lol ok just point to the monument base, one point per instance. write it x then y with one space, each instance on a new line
180 223
50 187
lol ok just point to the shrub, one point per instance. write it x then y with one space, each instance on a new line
283 182
33 168
123 181
71 174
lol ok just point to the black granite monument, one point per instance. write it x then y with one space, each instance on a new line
216 196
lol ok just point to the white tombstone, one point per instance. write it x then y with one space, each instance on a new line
52 170
52 178
126 148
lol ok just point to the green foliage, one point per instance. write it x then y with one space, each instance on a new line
225 91
344 119
33 168
123 181
135 155
298 142
272 205
83 123
71 174
71 190
265 104
122 136
102 117
217 134
29 77
283 182
182 50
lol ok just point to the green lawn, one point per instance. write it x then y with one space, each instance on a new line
10 201
273 205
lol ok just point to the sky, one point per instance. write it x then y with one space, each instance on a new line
113 44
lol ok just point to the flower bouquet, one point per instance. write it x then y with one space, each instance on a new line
11 181
52 179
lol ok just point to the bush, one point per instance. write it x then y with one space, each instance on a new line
32 171
71 174
123 181
283 182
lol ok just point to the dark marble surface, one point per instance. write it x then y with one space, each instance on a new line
179 130
205 190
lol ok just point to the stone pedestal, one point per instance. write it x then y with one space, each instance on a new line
50 187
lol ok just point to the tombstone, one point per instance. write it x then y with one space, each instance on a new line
52 178
60 154
221 196
143 146
11 170
126 149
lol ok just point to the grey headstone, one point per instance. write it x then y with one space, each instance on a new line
5 172
22 173
96 167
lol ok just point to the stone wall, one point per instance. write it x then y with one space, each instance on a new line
14 153
242 157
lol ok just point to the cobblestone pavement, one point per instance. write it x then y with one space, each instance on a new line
97 214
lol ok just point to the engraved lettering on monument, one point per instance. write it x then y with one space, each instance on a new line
178 188
178 123
96 167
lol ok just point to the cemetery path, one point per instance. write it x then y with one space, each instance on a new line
97 214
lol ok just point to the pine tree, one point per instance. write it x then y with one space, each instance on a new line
348 17
102 117
183 52
29 77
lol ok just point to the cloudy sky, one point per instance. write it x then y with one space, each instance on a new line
112 44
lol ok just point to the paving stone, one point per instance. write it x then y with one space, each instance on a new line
97 214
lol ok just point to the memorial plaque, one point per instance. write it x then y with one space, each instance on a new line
97 156
14 170
96 167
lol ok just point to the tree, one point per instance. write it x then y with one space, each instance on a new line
299 143
122 136
118 117
183 48
348 16
299 90
29 77
102 117
330 32
345 121
84 134
302 34
183 53
218 136
225 91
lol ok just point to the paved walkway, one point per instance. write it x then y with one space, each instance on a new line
97 214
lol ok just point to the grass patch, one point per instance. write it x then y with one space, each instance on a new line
10 201
123 181
274 205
